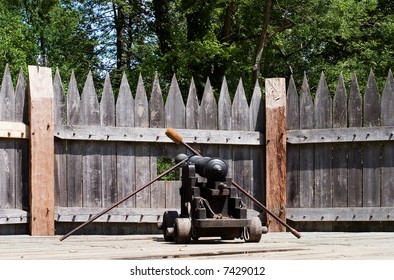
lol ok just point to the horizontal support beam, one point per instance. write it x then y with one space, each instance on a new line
157 135
116 215
337 135
353 214
14 216
15 130
83 214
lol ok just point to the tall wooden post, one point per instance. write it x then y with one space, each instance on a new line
41 152
276 150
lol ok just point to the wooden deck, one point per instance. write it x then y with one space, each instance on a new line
273 246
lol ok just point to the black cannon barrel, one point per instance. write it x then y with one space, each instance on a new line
211 168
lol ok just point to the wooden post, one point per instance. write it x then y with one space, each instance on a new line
276 151
41 152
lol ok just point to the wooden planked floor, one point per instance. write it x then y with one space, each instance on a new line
272 246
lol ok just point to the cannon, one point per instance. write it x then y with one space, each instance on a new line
210 206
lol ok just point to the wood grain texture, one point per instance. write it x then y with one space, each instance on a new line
42 180
293 151
276 150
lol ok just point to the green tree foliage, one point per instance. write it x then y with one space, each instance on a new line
245 39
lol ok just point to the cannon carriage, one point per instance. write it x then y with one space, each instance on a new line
210 206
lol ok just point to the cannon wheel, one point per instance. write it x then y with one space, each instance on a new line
168 222
183 230
254 231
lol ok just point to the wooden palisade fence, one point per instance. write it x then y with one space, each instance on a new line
340 156
337 172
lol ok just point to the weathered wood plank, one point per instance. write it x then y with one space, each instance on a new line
22 147
293 152
242 166
91 158
125 160
275 91
116 215
7 159
14 130
208 115
306 151
338 214
157 135
224 123
125 152
208 119
192 107
371 162
341 135
74 148
355 176
339 154
142 160
91 154
157 119
60 118
323 152
257 153
173 197
387 118
41 151
14 216
108 150
175 107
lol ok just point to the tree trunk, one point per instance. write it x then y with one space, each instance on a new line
120 27
262 40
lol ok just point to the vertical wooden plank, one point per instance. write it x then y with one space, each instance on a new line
242 165
60 118
74 148
157 120
307 157
91 154
224 107
41 151
224 123
355 169
125 154
371 162
175 107
293 151
323 152
387 117
108 149
275 91
257 153
192 107
7 152
175 117
175 111
90 116
142 150
125 163
21 147
339 154
208 118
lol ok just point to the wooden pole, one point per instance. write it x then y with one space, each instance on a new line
42 181
276 151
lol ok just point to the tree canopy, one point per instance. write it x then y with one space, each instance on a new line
248 39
